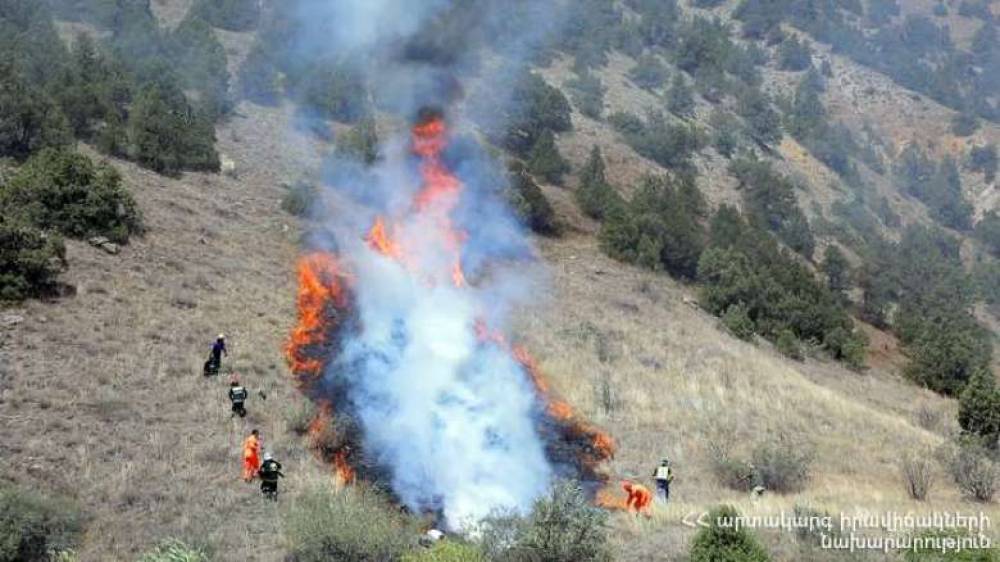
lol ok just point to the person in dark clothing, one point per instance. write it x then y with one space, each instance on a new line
215 359
238 396
270 471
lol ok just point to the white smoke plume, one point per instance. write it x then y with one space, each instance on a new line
448 414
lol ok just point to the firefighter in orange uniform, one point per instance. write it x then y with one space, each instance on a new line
639 497
251 456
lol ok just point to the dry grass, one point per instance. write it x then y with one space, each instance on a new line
682 382
104 398
101 394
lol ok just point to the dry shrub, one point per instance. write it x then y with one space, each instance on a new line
927 417
730 472
173 550
972 468
782 465
917 471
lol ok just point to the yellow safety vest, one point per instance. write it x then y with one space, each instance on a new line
664 473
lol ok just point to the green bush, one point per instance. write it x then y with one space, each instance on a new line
66 192
669 145
726 131
988 232
360 143
562 527
544 160
30 261
648 72
354 524
173 550
299 198
33 525
446 551
789 345
794 55
530 204
964 124
738 322
763 122
984 159
726 542
595 195
587 94
680 98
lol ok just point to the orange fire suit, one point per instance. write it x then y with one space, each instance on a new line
251 457
639 498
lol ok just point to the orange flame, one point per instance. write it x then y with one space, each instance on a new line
435 201
343 473
319 289
322 295
380 241
601 443
328 446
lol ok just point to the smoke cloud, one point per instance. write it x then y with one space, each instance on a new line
444 409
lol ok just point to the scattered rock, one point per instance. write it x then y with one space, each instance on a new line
227 165
693 303
98 241
111 248
184 303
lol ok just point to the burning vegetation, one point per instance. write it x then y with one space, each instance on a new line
457 414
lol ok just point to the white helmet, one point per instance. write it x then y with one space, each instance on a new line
222 336
267 456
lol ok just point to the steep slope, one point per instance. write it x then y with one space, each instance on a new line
105 399
102 397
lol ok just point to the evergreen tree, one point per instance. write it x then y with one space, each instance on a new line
545 161
29 120
988 232
680 100
587 94
65 192
595 196
231 15
979 408
202 63
794 55
984 159
530 204
649 72
837 270
657 228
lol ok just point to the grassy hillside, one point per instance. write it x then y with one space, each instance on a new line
102 397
